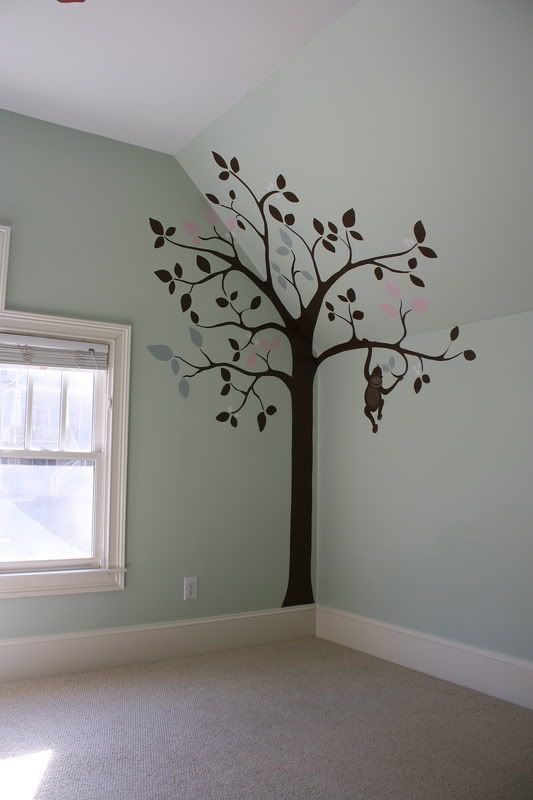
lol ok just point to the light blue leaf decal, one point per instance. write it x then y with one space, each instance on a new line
161 351
175 366
196 337
275 267
307 275
283 251
285 238
184 387
384 368
392 362
282 282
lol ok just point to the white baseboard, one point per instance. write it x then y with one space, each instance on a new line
483 670
40 656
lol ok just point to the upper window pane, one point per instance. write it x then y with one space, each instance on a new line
13 393
42 408
45 409
79 412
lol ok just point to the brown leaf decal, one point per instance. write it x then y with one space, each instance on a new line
276 213
203 264
291 197
348 218
219 160
420 232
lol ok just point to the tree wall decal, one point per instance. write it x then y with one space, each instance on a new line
296 294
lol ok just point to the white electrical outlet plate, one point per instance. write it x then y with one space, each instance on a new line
190 588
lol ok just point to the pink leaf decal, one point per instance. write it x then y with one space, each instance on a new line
231 224
393 290
211 217
263 344
419 304
389 310
251 359
191 227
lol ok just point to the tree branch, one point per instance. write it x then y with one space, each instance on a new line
352 265
221 273
216 236
248 328
293 282
310 314
246 394
284 377
391 269
402 317
310 250
236 264
240 214
230 259
365 344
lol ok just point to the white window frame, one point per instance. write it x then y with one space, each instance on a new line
107 571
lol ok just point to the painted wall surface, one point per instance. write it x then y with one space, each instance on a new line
201 501
406 109
409 109
429 523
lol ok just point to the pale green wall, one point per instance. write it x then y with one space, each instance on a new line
407 109
202 499
428 523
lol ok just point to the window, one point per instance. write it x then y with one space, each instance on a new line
63 438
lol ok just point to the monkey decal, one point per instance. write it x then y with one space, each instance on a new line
375 390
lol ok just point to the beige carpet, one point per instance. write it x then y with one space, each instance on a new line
299 720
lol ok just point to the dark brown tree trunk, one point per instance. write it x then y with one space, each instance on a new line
299 588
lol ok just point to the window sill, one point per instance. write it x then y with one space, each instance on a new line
68 581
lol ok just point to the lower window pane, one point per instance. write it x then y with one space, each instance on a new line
46 509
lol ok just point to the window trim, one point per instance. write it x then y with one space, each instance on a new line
109 575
